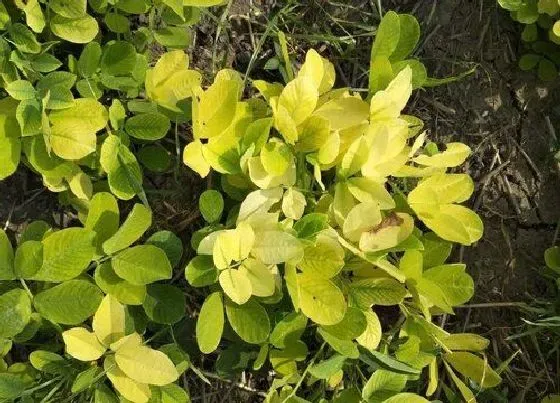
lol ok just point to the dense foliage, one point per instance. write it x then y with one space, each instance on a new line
541 34
330 267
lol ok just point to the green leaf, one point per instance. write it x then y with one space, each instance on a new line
12 385
154 157
347 348
88 63
48 362
466 341
327 368
210 323
123 171
389 362
171 393
409 36
4 17
66 254
20 90
34 231
86 379
45 63
73 129
169 243
547 70
376 291
383 384
10 152
142 264
173 37
176 6
309 225
456 284
75 30
386 42
164 304
250 321
406 398
69 8
117 23
117 114
23 38
102 217
323 259
529 61
133 6
203 3
350 327
28 259
125 292
474 368
436 250
201 271
552 258
69 303
29 117
137 222
119 58
211 205
290 328
62 79
321 300
6 258
148 126
15 312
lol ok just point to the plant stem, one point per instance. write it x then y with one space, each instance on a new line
301 379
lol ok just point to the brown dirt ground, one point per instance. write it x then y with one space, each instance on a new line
499 111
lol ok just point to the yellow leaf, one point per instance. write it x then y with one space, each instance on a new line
319 70
133 339
293 204
454 223
109 320
299 98
442 189
371 337
80 184
145 365
215 109
194 159
363 217
236 285
368 190
343 113
82 344
389 103
390 232
131 390
284 123
268 90
314 134
329 150
264 180
454 155
261 278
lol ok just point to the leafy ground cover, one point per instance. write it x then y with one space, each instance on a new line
509 164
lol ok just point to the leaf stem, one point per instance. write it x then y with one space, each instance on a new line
301 379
